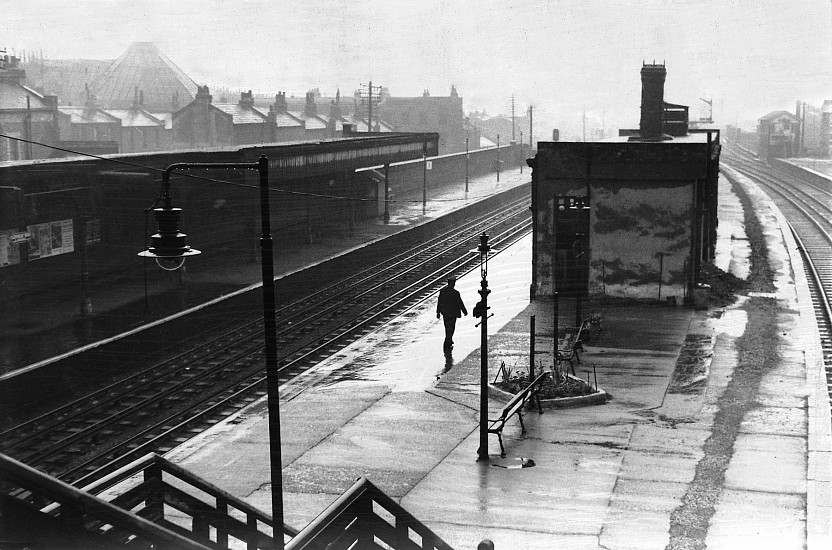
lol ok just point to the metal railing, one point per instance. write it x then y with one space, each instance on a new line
364 517
41 512
151 486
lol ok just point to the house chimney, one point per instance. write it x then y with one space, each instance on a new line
246 100
203 94
310 109
652 101
280 105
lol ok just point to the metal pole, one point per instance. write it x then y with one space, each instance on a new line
466 164
370 110
387 193
272 376
531 348
484 292
269 324
555 330
521 152
424 179
531 132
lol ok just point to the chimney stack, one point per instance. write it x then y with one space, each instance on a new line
246 100
280 105
652 101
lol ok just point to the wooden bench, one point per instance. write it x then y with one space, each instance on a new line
515 406
573 343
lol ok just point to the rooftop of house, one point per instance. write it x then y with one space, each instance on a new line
136 118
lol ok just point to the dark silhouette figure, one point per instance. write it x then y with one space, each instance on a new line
451 308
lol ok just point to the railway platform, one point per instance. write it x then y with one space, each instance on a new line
650 468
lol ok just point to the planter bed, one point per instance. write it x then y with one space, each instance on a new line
594 398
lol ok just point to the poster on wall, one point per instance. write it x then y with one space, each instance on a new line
9 250
50 239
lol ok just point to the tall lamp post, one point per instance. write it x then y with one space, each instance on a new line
481 310
169 249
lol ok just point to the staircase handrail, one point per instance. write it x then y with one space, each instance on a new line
352 518
74 499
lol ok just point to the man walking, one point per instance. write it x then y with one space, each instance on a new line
450 307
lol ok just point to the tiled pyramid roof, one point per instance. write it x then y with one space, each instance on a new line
145 67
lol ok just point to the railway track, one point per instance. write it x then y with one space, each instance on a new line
162 404
808 208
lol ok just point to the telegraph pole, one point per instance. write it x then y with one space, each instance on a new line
370 100
512 118
424 177
531 133
584 126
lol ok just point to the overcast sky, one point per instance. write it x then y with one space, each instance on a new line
565 57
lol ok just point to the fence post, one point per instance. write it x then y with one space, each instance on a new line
555 331
222 532
154 504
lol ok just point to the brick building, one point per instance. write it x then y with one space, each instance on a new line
779 133
141 130
442 114
25 114
633 216
89 123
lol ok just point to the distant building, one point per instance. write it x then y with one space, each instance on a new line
825 145
778 132
67 79
492 126
285 127
88 123
813 138
140 130
316 126
24 114
165 86
335 118
442 114
249 126
204 124
633 216
201 124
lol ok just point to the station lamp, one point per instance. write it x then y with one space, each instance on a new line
168 245
169 248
